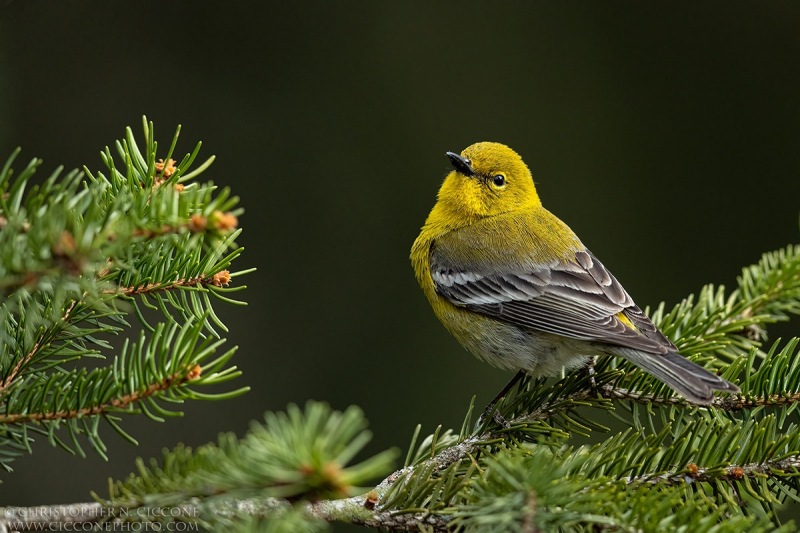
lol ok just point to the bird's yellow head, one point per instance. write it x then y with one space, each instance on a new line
488 179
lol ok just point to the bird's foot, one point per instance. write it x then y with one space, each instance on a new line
589 370
490 413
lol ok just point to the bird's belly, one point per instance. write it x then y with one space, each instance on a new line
511 347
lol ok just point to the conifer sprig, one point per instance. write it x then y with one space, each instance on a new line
82 252
302 454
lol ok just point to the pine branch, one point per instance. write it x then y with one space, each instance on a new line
120 403
52 517
170 366
219 279
731 473
301 455
81 252
40 343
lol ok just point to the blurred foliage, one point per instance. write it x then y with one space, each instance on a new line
292 456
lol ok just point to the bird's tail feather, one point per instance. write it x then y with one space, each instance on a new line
690 380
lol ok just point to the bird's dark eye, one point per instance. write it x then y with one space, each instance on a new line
499 180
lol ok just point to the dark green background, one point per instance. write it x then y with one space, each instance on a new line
665 134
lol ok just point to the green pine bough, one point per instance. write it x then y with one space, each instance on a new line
82 253
147 242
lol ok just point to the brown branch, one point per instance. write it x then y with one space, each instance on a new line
738 402
350 510
219 279
158 287
733 402
696 473
121 403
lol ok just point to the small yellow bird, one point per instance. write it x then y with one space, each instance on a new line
519 290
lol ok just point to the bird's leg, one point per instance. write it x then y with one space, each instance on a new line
489 410
589 369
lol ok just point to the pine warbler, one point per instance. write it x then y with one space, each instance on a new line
519 290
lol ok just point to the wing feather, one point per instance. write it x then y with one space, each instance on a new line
577 298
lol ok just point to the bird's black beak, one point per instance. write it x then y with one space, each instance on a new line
461 164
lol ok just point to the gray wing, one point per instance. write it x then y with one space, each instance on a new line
578 299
